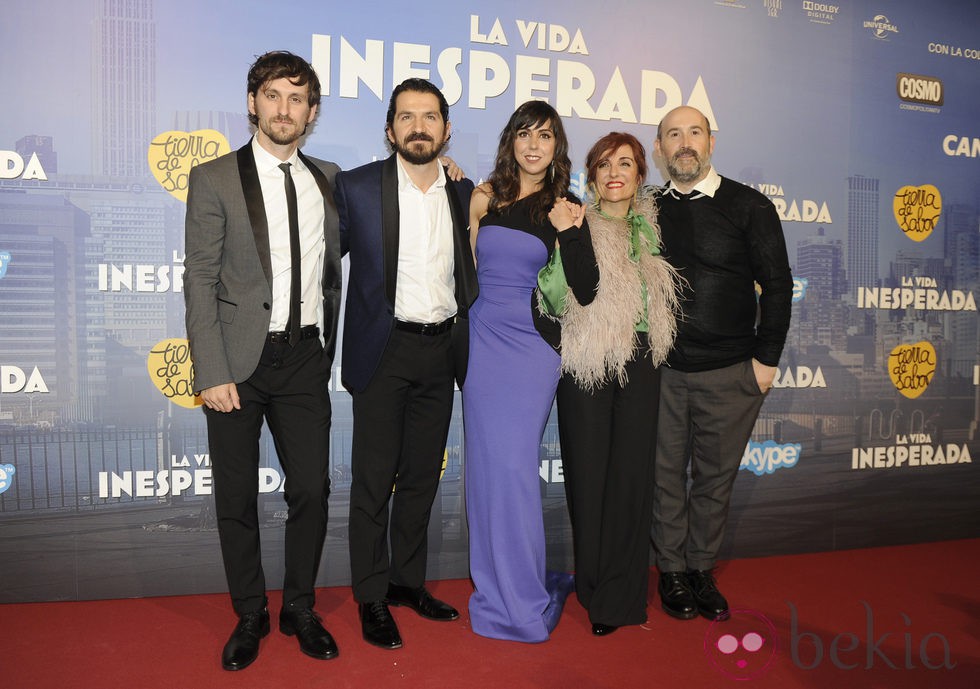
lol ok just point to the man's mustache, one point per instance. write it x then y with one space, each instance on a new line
687 151
418 136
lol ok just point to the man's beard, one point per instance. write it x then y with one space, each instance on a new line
691 175
416 156
282 138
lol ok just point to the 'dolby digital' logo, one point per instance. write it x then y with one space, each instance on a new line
743 646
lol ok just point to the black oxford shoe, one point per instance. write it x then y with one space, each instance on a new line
243 645
422 602
711 604
599 629
314 640
378 626
676 596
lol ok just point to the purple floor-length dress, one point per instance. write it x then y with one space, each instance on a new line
507 398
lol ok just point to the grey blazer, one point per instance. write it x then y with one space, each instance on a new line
228 268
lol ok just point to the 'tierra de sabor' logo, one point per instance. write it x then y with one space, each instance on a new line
911 368
172 371
917 210
916 88
172 155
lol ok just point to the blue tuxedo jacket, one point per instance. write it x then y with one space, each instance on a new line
367 205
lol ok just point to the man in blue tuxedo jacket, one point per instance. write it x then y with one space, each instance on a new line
403 223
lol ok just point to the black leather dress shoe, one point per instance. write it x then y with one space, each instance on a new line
599 629
422 602
314 640
378 626
676 596
711 604
243 645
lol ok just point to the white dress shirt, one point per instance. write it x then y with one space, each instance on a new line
425 287
309 205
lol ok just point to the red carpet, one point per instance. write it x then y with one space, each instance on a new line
902 617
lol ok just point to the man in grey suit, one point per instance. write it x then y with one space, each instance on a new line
262 281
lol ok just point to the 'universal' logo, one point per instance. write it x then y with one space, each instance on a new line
916 88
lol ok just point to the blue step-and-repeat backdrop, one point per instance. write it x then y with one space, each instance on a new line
860 119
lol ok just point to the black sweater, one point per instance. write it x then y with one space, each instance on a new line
722 245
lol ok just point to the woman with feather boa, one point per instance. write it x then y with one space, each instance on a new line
608 393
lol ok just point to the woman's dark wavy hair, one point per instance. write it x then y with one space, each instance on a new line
505 182
280 64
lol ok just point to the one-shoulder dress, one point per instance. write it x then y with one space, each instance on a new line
510 386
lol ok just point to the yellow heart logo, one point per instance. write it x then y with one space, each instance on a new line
911 368
172 371
172 155
917 210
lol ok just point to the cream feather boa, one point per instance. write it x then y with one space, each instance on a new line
598 340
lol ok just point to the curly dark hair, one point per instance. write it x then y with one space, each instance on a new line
279 64
505 181
421 86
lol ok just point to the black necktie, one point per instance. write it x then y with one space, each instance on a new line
293 326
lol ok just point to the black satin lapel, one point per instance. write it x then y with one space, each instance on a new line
389 225
256 207
321 180
331 246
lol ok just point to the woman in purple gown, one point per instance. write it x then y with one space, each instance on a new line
517 218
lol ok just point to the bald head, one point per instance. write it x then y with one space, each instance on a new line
682 112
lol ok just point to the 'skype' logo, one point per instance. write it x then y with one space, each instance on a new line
7 472
915 88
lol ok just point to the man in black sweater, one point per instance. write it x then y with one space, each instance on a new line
724 238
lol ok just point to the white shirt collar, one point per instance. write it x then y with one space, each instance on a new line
266 162
706 187
405 182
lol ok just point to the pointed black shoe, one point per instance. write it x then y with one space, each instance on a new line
422 602
599 629
711 604
314 640
676 596
378 626
243 645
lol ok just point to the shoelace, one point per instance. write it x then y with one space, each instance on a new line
678 583
303 620
705 583
379 610
251 622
